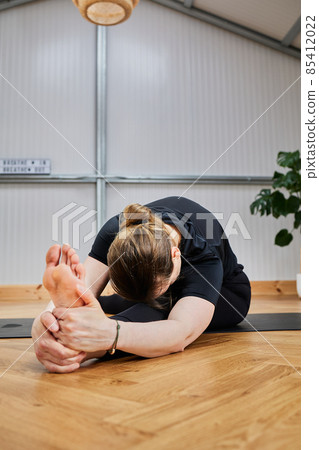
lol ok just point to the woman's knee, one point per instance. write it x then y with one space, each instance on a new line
140 312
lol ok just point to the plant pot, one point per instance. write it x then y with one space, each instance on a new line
298 283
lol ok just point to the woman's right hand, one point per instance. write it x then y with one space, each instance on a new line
53 355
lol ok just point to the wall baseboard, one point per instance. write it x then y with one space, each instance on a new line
38 292
274 287
23 292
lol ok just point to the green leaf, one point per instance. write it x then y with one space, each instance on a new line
277 179
278 204
262 204
289 159
265 192
275 203
291 181
277 175
283 238
297 221
292 204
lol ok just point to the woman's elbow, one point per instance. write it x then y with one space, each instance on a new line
180 347
176 348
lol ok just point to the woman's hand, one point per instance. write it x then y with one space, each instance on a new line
53 355
85 328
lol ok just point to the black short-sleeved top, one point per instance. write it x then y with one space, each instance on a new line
207 258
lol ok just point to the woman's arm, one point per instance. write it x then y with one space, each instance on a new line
87 328
96 275
186 322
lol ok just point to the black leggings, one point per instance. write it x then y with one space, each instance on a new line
232 306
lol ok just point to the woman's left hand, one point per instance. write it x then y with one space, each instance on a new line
85 328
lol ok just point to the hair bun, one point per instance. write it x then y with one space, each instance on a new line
135 214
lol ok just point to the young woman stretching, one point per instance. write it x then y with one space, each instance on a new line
174 275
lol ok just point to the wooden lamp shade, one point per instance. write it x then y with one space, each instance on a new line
103 12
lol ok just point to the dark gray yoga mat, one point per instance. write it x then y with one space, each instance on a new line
21 328
265 322
15 328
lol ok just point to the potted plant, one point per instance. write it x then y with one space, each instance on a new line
273 201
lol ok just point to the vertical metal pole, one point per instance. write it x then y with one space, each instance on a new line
101 85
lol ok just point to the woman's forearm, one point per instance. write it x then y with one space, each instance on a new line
152 339
88 329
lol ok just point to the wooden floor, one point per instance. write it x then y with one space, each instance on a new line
225 391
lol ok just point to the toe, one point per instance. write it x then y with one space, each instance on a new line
64 256
53 255
70 253
74 260
80 271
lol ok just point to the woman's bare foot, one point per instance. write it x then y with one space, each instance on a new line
61 279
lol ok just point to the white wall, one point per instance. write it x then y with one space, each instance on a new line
47 53
26 226
180 92
183 91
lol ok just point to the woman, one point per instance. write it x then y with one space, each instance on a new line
174 275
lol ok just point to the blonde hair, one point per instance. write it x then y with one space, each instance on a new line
139 258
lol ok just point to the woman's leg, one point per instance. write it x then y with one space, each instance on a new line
232 306
113 304
129 311
233 303
141 313
231 309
